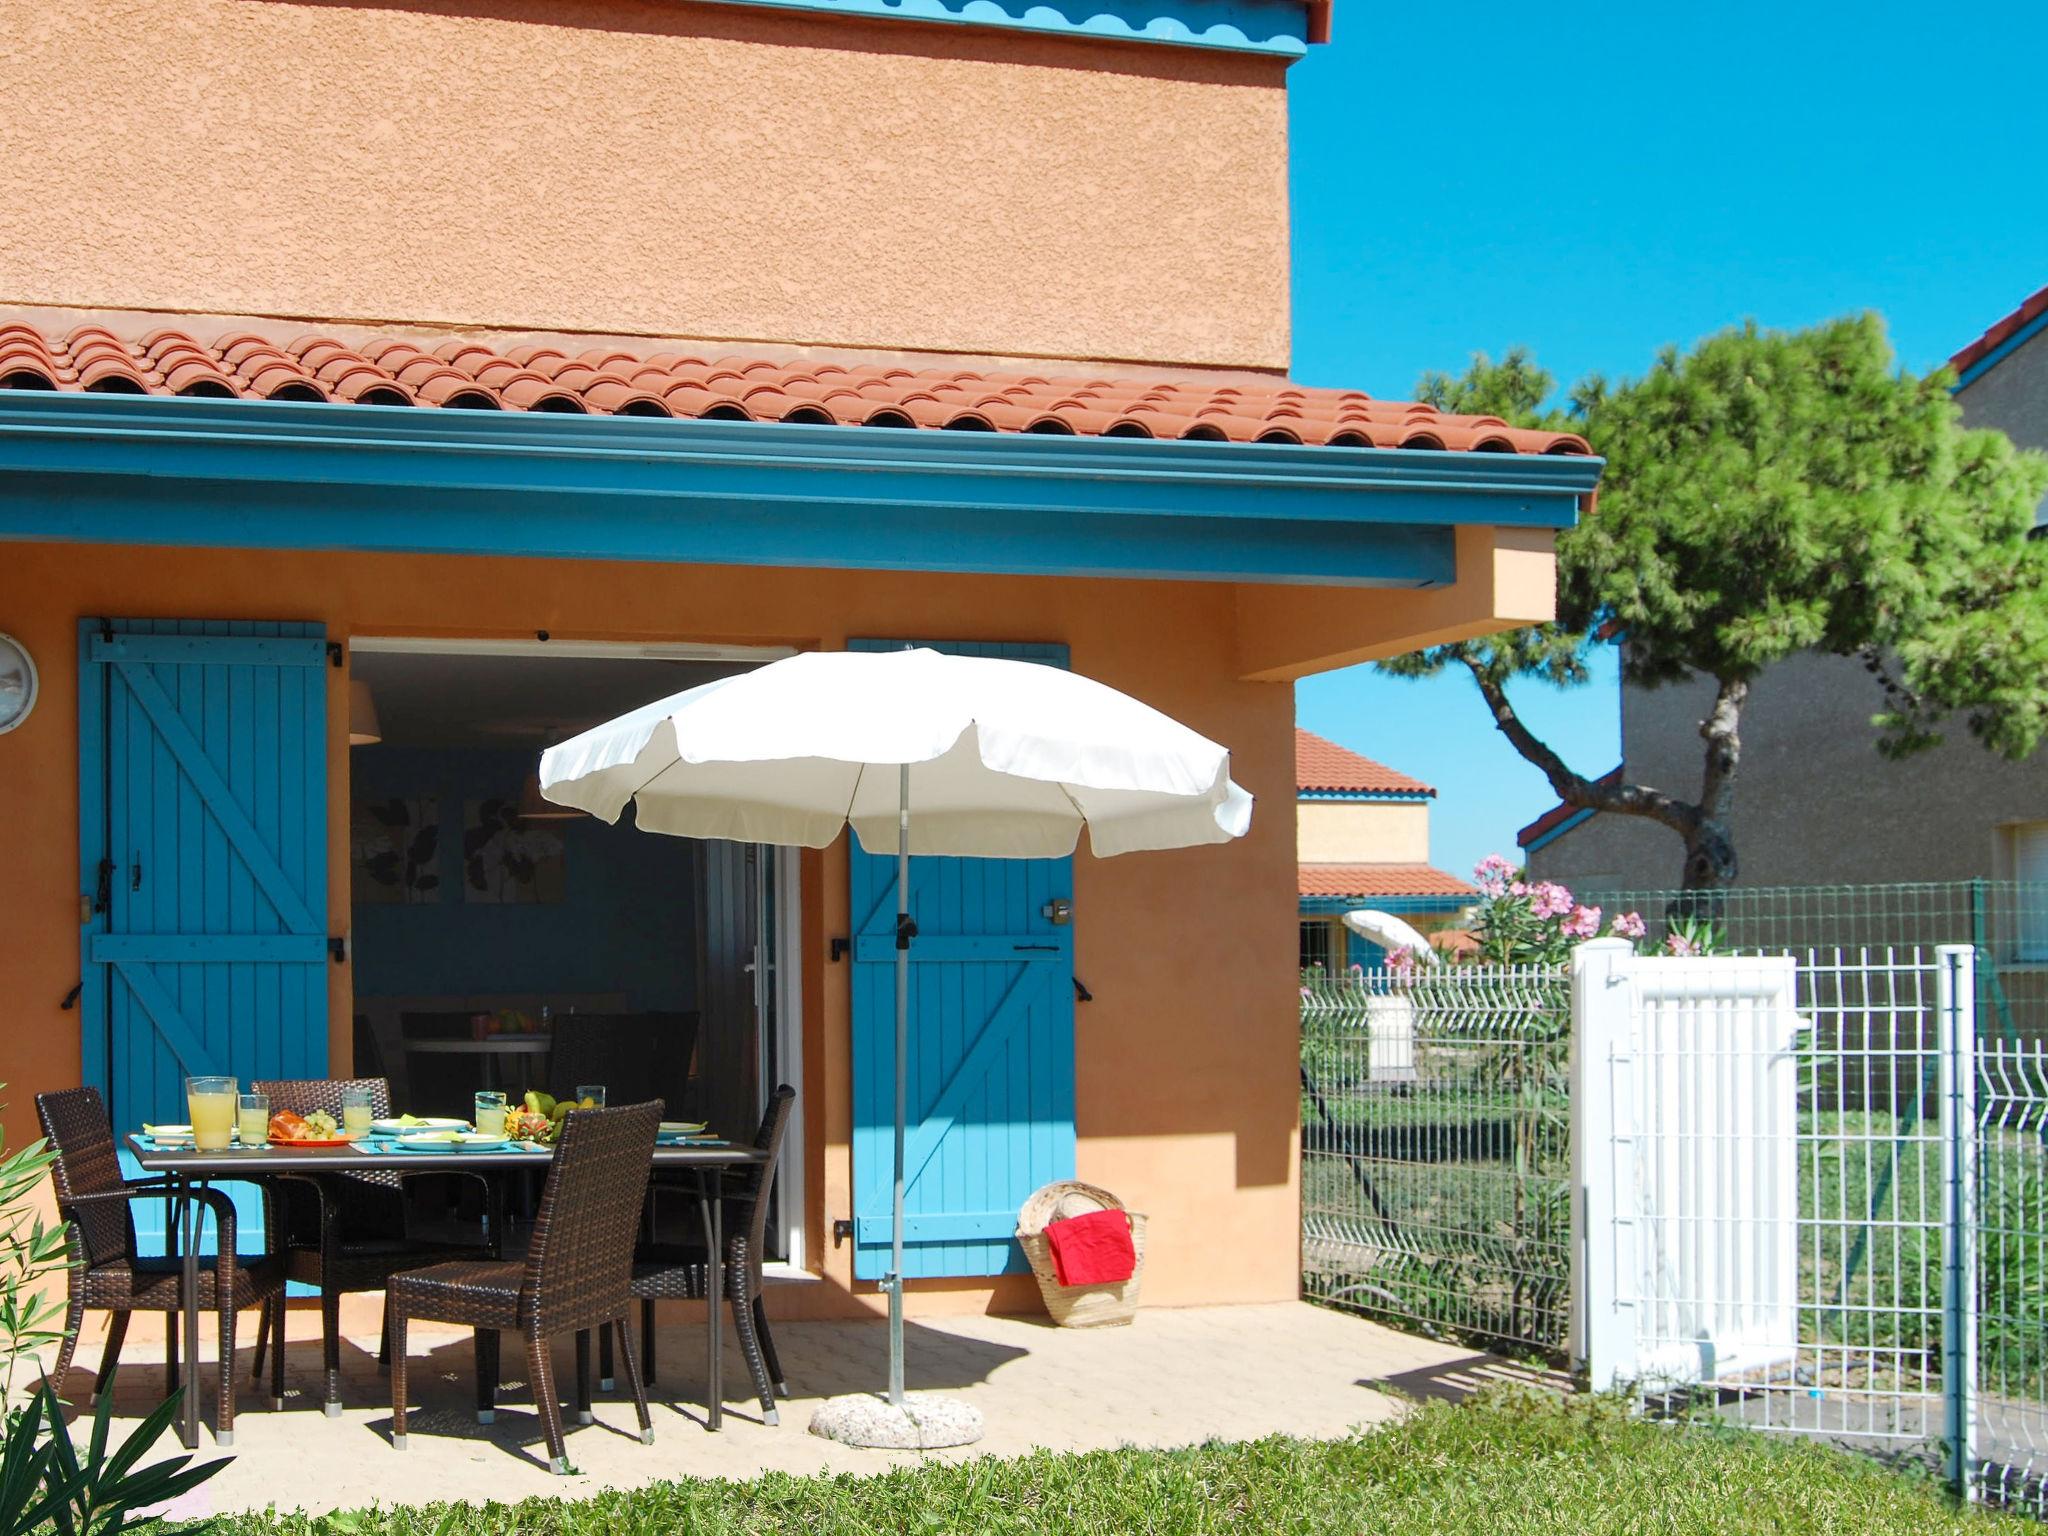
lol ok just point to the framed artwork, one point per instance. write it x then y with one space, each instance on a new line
395 851
507 861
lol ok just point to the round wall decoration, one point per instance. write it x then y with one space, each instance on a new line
17 683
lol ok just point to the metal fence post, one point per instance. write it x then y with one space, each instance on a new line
1957 1009
1606 1271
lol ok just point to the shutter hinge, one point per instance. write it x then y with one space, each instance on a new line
334 653
841 1231
1081 993
337 950
840 945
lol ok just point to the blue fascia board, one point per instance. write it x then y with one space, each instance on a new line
1278 27
2001 352
1337 906
225 473
1412 795
1584 813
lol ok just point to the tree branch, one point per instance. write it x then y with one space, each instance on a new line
1575 788
1721 731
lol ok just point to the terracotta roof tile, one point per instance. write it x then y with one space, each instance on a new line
1380 880
1322 765
462 373
2029 310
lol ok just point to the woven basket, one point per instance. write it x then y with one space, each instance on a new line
1078 1306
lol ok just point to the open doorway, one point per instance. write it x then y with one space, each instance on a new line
501 942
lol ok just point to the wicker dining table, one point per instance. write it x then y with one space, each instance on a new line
186 1167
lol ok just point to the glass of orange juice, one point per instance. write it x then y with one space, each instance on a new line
490 1112
210 1101
252 1119
355 1112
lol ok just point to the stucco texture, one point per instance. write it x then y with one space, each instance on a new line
1186 1092
1363 832
670 170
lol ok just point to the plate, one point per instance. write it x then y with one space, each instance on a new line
315 1144
446 1144
683 1127
403 1125
154 1131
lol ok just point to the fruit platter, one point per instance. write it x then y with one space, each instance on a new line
540 1115
305 1133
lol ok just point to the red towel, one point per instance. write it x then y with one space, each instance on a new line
1092 1250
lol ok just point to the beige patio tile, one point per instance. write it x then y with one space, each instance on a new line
1175 1377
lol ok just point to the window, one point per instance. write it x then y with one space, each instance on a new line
2030 867
1318 945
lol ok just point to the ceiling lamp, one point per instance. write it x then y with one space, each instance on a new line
363 728
534 806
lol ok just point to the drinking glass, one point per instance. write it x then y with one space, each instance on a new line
490 1112
355 1112
252 1119
591 1091
210 1102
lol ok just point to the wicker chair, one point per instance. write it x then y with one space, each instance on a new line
678 1272
94 1200
574 1278
344 1232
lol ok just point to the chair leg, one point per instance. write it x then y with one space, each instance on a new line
110 1354
541 1367
633 1380
607 1381
768 1345
582 1375
743 1319
173 1328
330 1348
277 1352
262 1340
647 1342
224 1408
74 1319
384 1338
486 1375
398 1381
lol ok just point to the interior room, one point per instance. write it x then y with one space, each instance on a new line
501 942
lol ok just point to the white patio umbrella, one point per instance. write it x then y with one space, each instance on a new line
920 753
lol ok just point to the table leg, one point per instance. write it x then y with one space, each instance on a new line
189 1254
710 1187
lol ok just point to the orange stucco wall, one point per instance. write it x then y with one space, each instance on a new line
1186 1088
630 167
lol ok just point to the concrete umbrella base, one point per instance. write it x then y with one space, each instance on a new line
927 1421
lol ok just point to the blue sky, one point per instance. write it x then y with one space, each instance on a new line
1597 181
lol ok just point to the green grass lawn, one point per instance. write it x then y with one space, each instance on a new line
1511 1463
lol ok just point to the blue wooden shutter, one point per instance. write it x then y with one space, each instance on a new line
203 797
991 1082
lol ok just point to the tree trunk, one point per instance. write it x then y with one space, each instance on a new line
1709 841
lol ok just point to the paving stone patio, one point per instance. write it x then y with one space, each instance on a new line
1175 1377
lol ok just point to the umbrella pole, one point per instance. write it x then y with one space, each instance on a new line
906 930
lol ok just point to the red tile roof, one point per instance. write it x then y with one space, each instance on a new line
1322 765
465 373
1561 813
1380 880
1992 339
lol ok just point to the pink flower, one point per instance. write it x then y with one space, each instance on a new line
1629 925
1679 944
1401 961
1550 900
1358 971
1583 923
1492 873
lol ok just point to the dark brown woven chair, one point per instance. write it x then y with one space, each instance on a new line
343 1232
575 1276
94 1199
678 1272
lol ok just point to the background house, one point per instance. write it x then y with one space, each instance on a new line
1362 832
1815 803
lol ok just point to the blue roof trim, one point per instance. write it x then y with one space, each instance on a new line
226 473
1337 906
1584 813
1365 794
1278 27
2001 352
